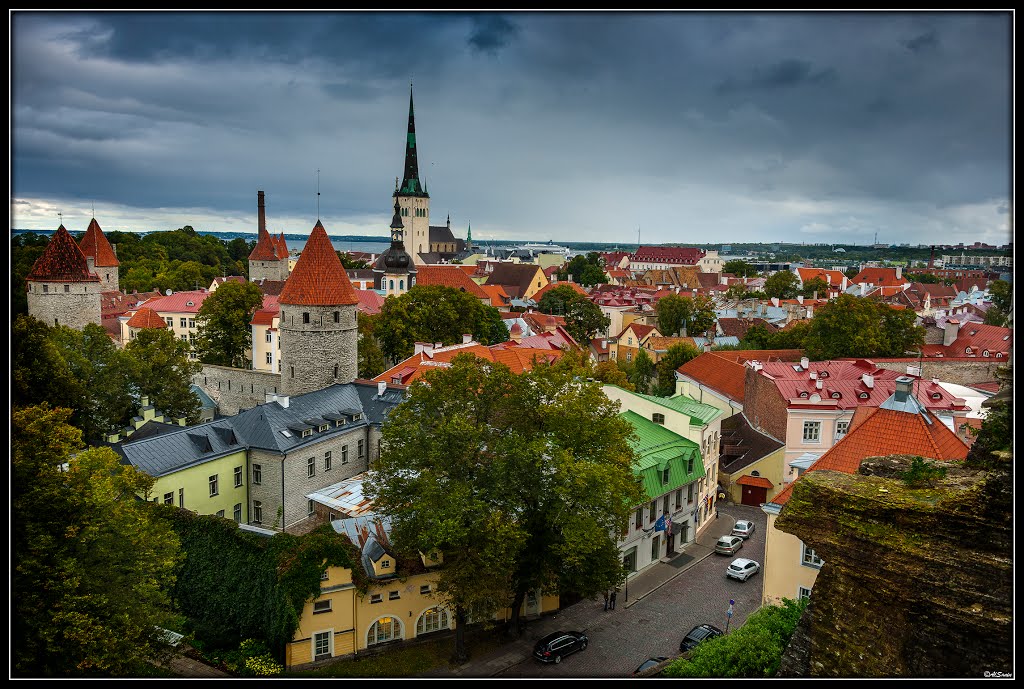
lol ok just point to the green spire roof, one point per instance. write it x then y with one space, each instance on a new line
469 234
411 181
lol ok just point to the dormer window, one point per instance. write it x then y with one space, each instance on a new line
863 395
985 353
189 303
836 396
803 395
323 428
936 395
968 350
307 432
823 374
385 563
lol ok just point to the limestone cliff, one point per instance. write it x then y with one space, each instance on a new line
916 582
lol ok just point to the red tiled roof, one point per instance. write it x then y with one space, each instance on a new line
667 254
273 287
497 294
718 373
880 277
61 261
229 278
281 246
881 432
980 338
94 243
641 331
369 301
318 278
539 294
266 248
449 276
266 314
146 318
756 481
988 386
179 302
517 359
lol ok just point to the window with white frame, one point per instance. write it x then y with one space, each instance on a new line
238 513
270 337
376 598
213 485
812 431
432 620
809 558
362 449
658 418
169 498
183 322
270 357
257 474
344 454
321 645
321 606
383 630
327 460
257 512
802 593
238 477
425 589
394 595
191 322
841 428
311 467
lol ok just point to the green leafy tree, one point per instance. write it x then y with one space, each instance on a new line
92 567
676 356
609 372
1001 293
583 318
586 270
782 284
433 313
349 263
736 291
677 314
26 248
853 326
739 268
39 372
813 287
162 371
371 357
643 371
224 334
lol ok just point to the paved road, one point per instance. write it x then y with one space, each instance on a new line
662 607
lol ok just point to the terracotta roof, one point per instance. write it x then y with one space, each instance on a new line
61 261
179 302
282 246
266 248
551 285
369 301
988 386
449 276
881 432
230 278
880 277
718 373
318 278
641 331
756 481
94 243
497 294
738 327
517 359
146 318
273 287
667 254
980 338
266 314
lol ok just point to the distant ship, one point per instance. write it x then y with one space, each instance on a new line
543 248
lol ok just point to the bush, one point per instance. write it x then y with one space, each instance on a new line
922 474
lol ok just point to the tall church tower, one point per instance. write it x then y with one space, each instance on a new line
395 271
61 288
318 320
269 258
412 196
100 257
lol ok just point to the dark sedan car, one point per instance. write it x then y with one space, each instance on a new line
702 632
555 646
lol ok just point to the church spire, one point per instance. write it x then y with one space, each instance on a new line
411 181
469 234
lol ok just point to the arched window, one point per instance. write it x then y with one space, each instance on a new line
383 630
433 620
391 284
985 353
968 350
401 284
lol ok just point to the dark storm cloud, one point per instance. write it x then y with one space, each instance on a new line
926 41
784 74
491 33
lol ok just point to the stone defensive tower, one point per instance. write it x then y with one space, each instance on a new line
100 257
318 320
61 288
269 258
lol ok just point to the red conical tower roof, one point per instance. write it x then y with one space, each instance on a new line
318 278
62 261
282 246
266 247
146 318
94 244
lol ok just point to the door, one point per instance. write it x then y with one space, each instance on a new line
670 546
754 495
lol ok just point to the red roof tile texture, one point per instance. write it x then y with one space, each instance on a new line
449 276
756 481
718 373
266 248
94 244
517 359
146 318
318 278
61 261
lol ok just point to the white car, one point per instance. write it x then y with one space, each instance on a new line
741 568
743 529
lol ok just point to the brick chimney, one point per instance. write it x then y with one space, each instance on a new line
262 227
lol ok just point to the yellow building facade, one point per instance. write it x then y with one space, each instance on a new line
217 487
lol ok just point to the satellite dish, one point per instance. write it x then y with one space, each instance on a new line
168 292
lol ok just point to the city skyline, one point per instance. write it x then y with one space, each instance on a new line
657 127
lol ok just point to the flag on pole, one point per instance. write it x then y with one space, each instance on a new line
660 524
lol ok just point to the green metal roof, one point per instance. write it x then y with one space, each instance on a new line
656 448
700 414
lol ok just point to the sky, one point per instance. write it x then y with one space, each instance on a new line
663 127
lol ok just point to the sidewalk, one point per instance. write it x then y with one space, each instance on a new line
581 616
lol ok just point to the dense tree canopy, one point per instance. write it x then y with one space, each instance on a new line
999 313
739 268
224 332
371 357
643 371
526 481
676 356
587 270
433 313
692 315
791 337
853 326
162 371
815 288
583 318
783 284
92 567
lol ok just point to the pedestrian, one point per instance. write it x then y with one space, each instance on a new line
611 601
606 600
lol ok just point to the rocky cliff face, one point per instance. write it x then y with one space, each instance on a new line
917 582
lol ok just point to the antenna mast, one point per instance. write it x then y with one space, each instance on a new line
318 194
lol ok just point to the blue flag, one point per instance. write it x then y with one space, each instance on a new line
660 524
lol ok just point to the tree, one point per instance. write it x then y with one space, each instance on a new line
782 284
162 371
92 567
583 318
857 327
609 372
39 372
433 313
739 268
677 314
224 333
586 270
349 263
736 291
371 358
676 356
643 371
815 287
1001 293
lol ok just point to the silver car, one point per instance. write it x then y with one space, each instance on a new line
741 568
728 545
743 529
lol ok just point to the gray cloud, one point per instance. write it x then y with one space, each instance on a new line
491 33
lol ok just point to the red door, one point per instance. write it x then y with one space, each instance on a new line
753 495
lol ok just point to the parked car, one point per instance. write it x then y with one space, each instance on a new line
702 632
555 646
741 568
743 529
649 663
728 545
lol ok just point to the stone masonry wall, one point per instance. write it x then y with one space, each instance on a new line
270 270
312 352
75 308
763 405
960 371
235 389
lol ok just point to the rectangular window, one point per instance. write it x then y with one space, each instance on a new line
220 513
639 517
658 418
629 560
305 317
257 474
320 606
385 563
311 467
362 450
689 465
257 512
809 558
270 337
664 479
689 493
424 589
841 428
270 357
802 593
332 516
310 507
238 477
213 485
664 505
238 513
327 461
181 497
322 644
344 454
337 316
629 355
655 548
654 509
169 498
183 322
67 288
812 431
679 498
393 595
191 322
375 598
170 322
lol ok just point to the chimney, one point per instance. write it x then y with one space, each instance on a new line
819 384
438 345
914 371
805 363
467 338
869 381
899 272
904 385
428 349
800 298
775 301
283 400
951 331
262 226
382 387
418 347
271 397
